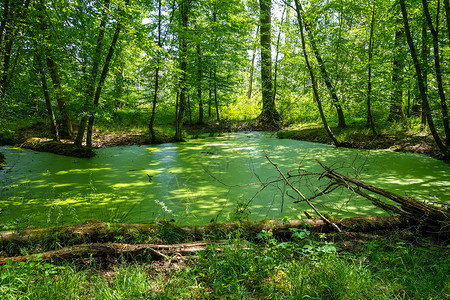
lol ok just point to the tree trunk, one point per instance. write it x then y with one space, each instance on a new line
199 84
269 115
210 94
103 75
369 77
396 105
437 67
323 70
48 102
276 58
424 59
155 91
252 69
445 151
313 79
89 94
67 129
216 101
184 10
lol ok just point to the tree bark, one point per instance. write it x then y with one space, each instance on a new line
313 79
155 91
424 58
437 67
369 77
89 94
199 83
445 151
185 6
216 100
252 69
269 115
398 64
275 74
48 102
104 73
323 70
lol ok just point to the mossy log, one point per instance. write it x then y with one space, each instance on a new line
100 232
155 251
58 148
93 239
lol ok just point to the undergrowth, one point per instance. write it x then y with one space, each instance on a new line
307 266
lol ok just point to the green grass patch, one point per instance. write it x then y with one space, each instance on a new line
307 266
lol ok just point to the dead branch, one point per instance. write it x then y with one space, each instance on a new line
435 218
301 195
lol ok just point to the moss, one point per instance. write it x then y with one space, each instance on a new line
58 148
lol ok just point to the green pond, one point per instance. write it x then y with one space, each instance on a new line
202 179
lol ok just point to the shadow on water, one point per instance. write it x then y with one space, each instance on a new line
185 182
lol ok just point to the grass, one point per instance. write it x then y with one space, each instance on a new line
307 266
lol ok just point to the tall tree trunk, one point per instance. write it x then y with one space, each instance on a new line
269 115
184 10
67 129
252 69
199 84
398 64
210 94
445 151
155 91
437 67
103 75
216 101
369 76
313 80
90 90
424 58
276 58
48 102
323 70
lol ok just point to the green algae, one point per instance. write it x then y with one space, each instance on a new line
200 180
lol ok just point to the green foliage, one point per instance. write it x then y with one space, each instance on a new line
305 266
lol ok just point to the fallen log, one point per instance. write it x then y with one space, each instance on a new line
166 251
435 218
96 250
100 232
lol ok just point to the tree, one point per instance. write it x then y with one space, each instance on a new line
184 9
12 22
313 78
369 79
269 115
398 64
323 70
423 95
158 63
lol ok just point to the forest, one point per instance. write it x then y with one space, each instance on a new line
80 77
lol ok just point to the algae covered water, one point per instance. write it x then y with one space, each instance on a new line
200 180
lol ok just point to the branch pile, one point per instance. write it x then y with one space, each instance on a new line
433 217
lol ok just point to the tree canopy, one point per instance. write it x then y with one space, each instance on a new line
334 62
